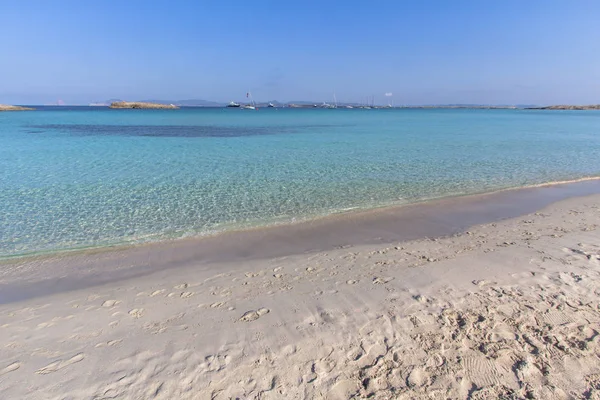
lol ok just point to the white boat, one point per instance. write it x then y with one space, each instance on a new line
233 104
251 105
271 105
391 103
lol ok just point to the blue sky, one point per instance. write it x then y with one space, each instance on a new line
424 52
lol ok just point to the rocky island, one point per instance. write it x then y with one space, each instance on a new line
4 107
142 105
567 107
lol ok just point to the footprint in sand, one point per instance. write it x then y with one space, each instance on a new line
381 281
10 368
322 367
355 354
481 371
343 389
182 286
435 361
185 295
157 292
421 299
500 333
351 282
109 343
482 282
110 303
554 318
254 315
418 377
57 365
136 312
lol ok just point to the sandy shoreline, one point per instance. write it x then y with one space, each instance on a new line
56 272
507 309
525 199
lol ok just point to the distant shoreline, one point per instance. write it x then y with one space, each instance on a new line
4 107
142 105
174 106
567 107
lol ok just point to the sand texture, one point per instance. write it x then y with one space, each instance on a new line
506 310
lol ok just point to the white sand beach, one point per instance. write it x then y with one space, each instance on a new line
505 310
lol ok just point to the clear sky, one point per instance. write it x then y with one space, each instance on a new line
424 52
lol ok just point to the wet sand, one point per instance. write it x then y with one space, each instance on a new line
44 275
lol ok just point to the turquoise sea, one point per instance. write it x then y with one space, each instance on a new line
90 176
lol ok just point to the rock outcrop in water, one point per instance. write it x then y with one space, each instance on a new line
567 107
142 105
4 107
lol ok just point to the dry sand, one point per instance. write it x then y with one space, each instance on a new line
506 310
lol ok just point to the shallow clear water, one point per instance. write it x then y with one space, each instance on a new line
79 177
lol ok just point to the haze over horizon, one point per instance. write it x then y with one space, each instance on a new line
434 52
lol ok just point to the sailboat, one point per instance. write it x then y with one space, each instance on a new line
252 105
327 105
